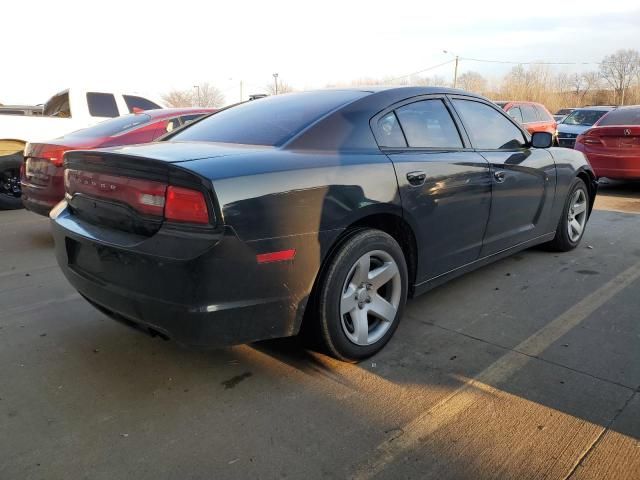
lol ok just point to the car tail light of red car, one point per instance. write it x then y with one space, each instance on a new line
52 153
147 197
586 139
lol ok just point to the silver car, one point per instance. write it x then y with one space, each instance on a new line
577 122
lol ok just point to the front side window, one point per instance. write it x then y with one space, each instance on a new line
488 128
529 114
428 124
102 104
142 103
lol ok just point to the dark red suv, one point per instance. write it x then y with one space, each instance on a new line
41 176
533 116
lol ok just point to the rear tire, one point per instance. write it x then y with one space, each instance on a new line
362 295
10 181
573 221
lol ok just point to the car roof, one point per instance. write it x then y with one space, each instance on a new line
604 108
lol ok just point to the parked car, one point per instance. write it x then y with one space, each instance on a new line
22 110
577 122
612 145
65 112
42 175
322 210
562 113
533 116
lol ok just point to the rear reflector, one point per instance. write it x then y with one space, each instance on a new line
185 205
144 196
280 256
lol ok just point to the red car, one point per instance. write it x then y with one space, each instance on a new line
41 176
612 145
531 115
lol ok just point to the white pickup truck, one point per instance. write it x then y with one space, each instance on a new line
65 112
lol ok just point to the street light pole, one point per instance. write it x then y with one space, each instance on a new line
275 79
197 87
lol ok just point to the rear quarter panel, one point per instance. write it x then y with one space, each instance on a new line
569 164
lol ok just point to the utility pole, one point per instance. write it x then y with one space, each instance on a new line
197 87
455 70
241 90
455 73
275 79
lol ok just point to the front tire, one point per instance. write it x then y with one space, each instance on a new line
362 295
573 221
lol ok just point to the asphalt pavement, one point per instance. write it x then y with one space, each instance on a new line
528 368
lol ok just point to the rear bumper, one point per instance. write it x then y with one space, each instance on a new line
207 297
615 166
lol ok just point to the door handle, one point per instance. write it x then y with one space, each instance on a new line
499 176
416 178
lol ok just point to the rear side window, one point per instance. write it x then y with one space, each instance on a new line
102 104
271 121
58 106
390 131
488 128
623 116
428 124
142 103
516 114
543 115
529 114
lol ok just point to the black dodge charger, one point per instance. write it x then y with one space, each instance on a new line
322 209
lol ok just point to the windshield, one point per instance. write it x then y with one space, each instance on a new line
623 116
112 127
583 117
268 121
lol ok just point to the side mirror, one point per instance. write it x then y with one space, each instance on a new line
541 140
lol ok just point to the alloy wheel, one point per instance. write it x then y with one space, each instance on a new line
370 297
10 183
577 215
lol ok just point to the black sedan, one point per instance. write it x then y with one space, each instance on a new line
322 209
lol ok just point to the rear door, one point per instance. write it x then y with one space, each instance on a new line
445 186
523 178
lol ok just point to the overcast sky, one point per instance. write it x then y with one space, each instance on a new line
152 47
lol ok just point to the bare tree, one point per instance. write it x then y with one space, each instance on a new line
206 96
472 82
178 98
283 87
619 70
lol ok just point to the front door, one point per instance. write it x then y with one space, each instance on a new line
523 178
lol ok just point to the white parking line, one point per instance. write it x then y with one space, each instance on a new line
462 398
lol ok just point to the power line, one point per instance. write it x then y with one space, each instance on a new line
423 70
484 60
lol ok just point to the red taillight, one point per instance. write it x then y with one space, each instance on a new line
185 205
52 153
588 140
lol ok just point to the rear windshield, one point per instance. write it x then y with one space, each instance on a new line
583 117
112 127
269 121
623 116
